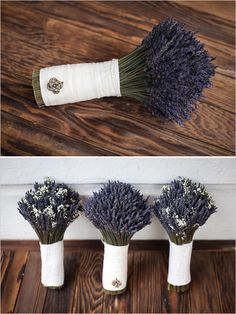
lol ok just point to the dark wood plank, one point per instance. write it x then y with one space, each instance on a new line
78 130
136 245
204 284
32 294
110 126
6 258
219 9
224 265
28 138
12 280
145 282
89 293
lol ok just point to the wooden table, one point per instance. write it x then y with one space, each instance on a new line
212 288
40 34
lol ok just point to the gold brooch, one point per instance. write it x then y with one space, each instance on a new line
54 85
116 283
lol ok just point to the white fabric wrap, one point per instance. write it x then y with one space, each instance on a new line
52 264
115 267
81 82
179 264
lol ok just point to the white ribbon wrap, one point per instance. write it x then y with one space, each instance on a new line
81 82
52 264
179 264
115 267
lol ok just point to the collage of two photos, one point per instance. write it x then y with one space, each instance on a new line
117 167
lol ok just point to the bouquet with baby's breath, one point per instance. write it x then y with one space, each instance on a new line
182 208
50 207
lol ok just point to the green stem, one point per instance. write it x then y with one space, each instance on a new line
132 74
178 288
118 239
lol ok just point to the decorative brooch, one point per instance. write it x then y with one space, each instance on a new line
116 283
54 85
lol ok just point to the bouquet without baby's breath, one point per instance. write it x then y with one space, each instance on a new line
118 211
167 72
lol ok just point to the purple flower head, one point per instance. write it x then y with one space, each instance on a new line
50 207
182 207
118 208
178 68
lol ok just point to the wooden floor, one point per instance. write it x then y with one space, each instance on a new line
39 34
212 287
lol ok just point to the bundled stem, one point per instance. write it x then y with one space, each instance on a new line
36 88
180 289
115 238
132 74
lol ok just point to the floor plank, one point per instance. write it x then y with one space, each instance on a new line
225 276
31 297
89 295
204 285
109 126
12 280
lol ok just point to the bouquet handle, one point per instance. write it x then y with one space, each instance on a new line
115 268
52 264
70 83
179 276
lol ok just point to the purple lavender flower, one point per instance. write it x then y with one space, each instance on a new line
49 208
118 211
182 207
169 71
178 69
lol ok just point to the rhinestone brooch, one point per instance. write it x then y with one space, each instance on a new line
116 283
54 85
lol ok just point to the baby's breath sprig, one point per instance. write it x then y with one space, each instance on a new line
50 207
182 207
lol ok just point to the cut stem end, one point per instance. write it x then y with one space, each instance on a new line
36 88
54 287
179 289
114 292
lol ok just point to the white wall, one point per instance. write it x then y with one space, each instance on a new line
131 169
147 174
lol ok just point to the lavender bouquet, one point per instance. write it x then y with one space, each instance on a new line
182 207
50 208
118 211
167 72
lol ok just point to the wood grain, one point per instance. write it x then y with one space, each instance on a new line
212 288
11 282
225 278
136 245
40 34
202 266
31 297
89 293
